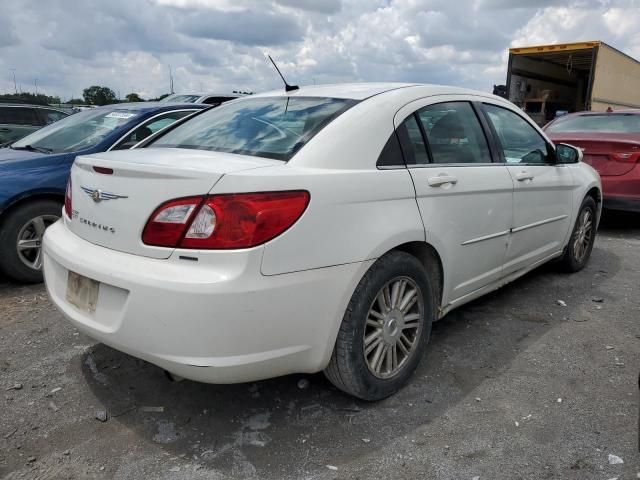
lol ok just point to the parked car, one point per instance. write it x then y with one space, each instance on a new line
209 98
19 120
34 172
610 142
320 229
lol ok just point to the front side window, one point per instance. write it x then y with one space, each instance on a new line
270 127
520 142
454 133
77 132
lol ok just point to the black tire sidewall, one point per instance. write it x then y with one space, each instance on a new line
396 264
10 263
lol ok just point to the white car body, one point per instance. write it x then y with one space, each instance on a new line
275 309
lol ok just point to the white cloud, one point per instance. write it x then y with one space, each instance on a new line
219 45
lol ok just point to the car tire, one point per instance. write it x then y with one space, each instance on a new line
354 371
24 222
578 250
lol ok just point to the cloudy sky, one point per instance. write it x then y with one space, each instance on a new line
219 45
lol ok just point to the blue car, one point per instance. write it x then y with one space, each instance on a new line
34 172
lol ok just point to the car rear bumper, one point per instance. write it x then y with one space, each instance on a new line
622 192
217 320
628 204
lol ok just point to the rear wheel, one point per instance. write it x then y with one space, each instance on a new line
580 244
385 328
21 239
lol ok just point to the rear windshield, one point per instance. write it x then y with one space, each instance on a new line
617 122
271 127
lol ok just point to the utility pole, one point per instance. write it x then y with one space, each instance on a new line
35 82
170 81
15 85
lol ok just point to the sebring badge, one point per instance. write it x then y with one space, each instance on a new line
98 195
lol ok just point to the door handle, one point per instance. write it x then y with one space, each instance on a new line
523 176
442 180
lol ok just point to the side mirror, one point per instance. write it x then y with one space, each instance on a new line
567 154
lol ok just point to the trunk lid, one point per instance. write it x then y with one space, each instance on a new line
611 154
112 209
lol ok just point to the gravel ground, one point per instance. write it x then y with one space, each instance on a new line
514 386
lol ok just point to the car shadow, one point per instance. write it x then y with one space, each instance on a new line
614 221
293 425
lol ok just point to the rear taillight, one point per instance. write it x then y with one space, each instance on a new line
67 199
626 157
168 222
226 221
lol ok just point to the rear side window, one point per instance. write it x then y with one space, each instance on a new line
270 127
4 115
454 133
520 142
19 116
391 155
412 142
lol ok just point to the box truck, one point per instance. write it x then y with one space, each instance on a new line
549 80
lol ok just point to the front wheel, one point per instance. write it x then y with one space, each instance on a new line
580 244
385 328
21 239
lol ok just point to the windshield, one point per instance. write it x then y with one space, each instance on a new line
181 98
617 122
76 132
271 127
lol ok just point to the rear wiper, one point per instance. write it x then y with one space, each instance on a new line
32 148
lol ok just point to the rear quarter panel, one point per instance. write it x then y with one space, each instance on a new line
353 215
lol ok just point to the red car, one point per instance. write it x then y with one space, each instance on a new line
610 142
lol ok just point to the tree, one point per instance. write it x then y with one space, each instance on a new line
133 97
96 95
27 97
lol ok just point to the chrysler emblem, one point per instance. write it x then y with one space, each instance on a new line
98 195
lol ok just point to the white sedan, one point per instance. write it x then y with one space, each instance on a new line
321 229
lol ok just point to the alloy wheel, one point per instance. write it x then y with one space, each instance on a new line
582 237
393 327
29 240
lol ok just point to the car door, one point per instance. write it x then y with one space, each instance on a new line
463 196
150 127
542 198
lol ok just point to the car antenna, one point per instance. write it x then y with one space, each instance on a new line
287 87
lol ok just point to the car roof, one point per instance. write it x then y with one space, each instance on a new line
149 106
628 111
30 105
361 91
